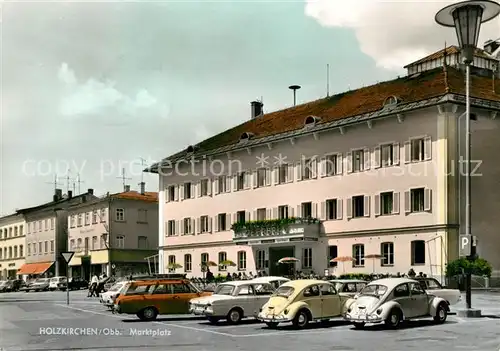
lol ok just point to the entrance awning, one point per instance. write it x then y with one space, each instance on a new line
34 268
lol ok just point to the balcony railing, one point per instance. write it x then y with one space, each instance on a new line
276 229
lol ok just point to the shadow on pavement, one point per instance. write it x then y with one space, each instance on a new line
166 319
316 325
405 325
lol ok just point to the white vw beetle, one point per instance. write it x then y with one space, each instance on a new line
392 301
108 298
433 287
232 301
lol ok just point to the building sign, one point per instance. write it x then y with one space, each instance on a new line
282 240
296 231
84 231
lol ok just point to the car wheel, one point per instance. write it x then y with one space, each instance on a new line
234 316
301 319
213 320
359 325
394 319
272 325
441 314
148 314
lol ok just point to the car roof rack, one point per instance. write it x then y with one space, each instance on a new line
158 276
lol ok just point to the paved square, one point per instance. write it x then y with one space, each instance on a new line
38 321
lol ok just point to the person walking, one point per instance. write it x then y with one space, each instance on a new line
93 286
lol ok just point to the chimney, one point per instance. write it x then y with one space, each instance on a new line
90 191
491 46
126 188
57 195
143 188
256 108
70 194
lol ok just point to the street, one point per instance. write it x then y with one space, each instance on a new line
43 321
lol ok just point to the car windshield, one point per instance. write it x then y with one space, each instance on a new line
374 290
433 284
224 289
138 289
284 291
117 287
264 289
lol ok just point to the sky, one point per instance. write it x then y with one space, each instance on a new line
88 89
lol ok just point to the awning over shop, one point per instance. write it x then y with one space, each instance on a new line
34 268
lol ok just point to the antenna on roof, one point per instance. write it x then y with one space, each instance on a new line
327 80
77 181
294 88
55 182
123 178
68 180
143 164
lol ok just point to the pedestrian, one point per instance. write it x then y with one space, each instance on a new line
93 286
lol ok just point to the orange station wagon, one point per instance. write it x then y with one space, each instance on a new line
147 299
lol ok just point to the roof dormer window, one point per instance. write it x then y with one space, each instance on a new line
391 101
311 121
246 136
190 149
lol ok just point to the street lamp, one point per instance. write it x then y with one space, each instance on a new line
466 17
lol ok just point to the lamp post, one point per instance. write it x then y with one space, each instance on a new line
466 17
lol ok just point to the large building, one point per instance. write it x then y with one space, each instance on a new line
12 244
373 172
113 234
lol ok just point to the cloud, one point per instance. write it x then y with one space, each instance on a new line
97 97
392 33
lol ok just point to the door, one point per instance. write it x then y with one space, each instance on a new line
419 300
312 297
281 269
245 298
262 294
161 299
181 295
401 295
330 301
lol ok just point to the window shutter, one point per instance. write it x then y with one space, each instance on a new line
427 148
193 226
228 183
298 171
181 192
216 185
275 175
255 179
314 167
289 176
367 206
377 160
268 176
255 218
290 212
247 216
339 164
210 223
367 158
314 210
395 153
407 151
339 209
427 199
269 213
323 211
246 180
166 233
349 162
275 213
193 190
377 205
299 212
167 199
235 218
176 193
198 224
395 203
349 208
182 232
209 187
216 223
177 228
407 202
322 167
234 182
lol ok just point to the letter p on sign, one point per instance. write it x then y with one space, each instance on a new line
465 244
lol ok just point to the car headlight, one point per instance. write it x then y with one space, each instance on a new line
379 311
349 310
285 311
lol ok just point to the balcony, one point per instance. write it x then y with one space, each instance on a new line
276 231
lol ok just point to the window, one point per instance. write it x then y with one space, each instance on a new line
204 187
52 246
331 165
222 222
187 190
242 260
333 252
21 253
240 181
187 263
27 232
142 216
417 198
171 228
120 214
358 206
39 228
358 161
306 210
142 242
87 218
416 289
386 203
79 221
417 150
245 290
103 215
171 263
261 214
29 250
283 174
241 216
261 177
40 248
309 169
15 231
94 243
331 209
87 246
222 258
222 182
358 253
10 250
187 226
261 259
15 251
104 241
21 230
161 289
34 250
204 228
283 212
401 291
387 155
120 242
387 253
417 252
46 225
204 259
71 244
94 217
180 288
327 289
307 258
171 193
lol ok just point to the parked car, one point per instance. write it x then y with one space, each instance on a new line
349 287
108 298
12 285
232 301
302 301
274 281
149 298
392 301
58 283
41 284
433 287
3 285
77 283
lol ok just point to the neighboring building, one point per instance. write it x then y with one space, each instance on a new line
12 245
378 167
47 233
114 234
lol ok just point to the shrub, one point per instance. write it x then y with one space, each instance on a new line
478 266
